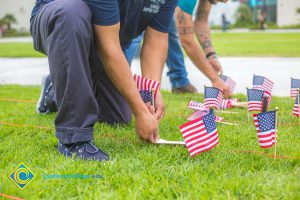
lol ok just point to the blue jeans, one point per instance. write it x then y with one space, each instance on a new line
175 60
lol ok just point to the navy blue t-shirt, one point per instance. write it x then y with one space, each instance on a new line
134 15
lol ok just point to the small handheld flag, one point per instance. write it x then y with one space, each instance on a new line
147 88
201 113
295 83
196 105
228 103
212 97
265 124
265 84
255 98
231 83
200 135
296 108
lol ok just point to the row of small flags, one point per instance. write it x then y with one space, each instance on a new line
200 132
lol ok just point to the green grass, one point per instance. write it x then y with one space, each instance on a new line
138 170
226 44
18 50
257 44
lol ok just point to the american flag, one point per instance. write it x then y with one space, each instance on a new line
227 103
196 105
295 83
255 98
265 124
262 83
197 114
296 108
200 135
145 87
201 113
265 84
231 83
212 97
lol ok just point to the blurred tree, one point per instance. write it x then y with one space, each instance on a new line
244 16
8 20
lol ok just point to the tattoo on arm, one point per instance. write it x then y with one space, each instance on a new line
185 30
181 19
206 44
201 14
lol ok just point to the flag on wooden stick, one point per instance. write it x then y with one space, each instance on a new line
212 97
145 87
265 84
296 108
255 99
200 135
229 81
265 124
196 105
295 83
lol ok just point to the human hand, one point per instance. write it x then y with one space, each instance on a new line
159 106
223 87
214 62
146 126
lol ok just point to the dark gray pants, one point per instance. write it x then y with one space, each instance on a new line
84 94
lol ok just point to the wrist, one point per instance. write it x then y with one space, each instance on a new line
210 54
139 109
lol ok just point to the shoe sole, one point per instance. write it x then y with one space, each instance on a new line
42 93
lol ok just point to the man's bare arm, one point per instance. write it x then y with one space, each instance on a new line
184 23
154 53
153 58
201 26
117 68
185 27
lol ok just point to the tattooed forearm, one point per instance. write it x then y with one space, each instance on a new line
185 30
181 18
206 44
201 14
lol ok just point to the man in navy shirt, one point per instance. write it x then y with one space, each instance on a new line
84 41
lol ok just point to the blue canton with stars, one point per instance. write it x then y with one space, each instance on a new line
296 101
258 80
295 83
146 96
209 121
211 92
255 95
266 121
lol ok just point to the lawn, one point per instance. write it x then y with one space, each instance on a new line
236 169
226 44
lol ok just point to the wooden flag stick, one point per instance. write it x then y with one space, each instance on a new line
276 130
228 123
240 104
265 104
152 95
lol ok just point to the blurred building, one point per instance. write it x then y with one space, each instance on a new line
229 9
21 9
281 12
287 12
